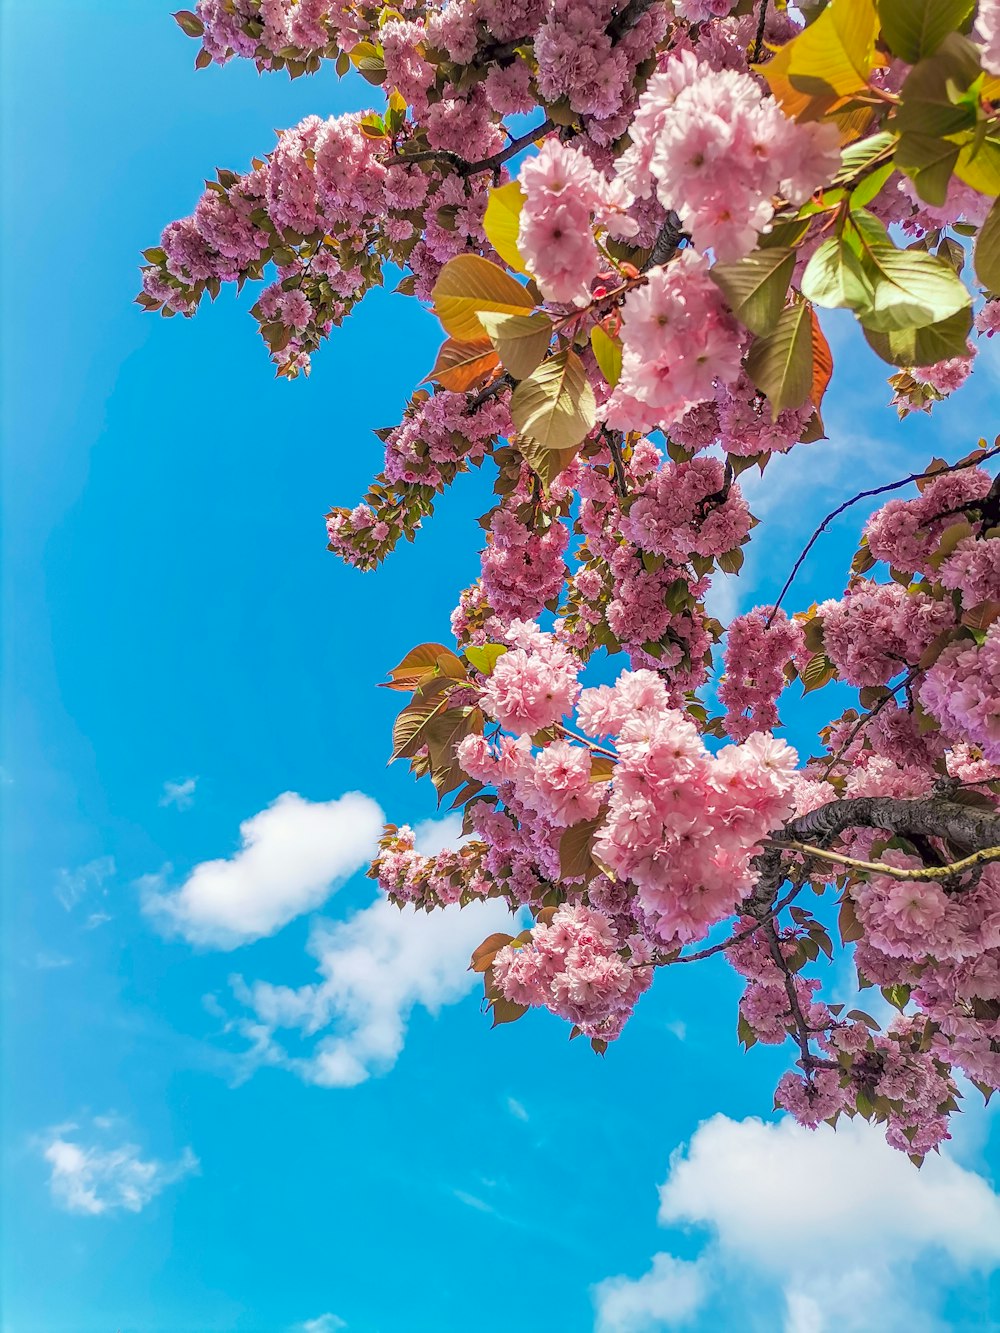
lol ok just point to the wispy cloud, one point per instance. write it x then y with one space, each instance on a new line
324 1323
90 880
376 968
516 1109
179 794
291 857
92 1178
51 962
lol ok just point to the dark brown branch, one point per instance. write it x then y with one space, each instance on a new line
758 40
966 828
668 241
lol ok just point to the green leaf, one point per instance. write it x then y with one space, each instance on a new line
409 732
929 104
913 29
485 657
926 346
913 289
545 463
929 162
521 340
607 353
555 405
755 287
467 286
502 221
781 363
857 156
978 164
834 278
866 191
819 671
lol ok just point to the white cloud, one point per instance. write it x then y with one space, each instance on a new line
72 886
434 835
324 1323
376 967
516 1109
179 794
93 1179
745 1180
775 1195
291 857
668 1296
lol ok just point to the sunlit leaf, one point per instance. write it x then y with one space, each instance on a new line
520 340
834 277
912 289
502 221
781 364
755 287
464 365
607 353
555 406
469 285
827 63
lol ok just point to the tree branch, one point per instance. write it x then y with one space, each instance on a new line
948 871
965 827
865 495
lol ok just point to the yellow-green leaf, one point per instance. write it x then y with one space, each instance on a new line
926 346
929 162
485 657
827 63
912 289
835 279
545 463
520 340
469 285
555 405
781 363
607 353
755 287
502 221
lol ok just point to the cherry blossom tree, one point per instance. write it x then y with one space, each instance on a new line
628 218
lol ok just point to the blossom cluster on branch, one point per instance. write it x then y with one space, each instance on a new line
628 216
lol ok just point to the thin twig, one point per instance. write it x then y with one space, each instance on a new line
758 41
865 495
948 871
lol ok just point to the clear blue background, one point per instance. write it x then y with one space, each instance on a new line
169 610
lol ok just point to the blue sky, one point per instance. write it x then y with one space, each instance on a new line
179 651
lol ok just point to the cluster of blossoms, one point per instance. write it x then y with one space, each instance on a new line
573 967
670 153
714 149
679 339
760 646
563 198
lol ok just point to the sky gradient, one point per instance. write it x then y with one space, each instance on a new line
179 653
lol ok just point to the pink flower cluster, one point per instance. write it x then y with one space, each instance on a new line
573 967
686 509
534 684
718 150
449 876
682 824
905 533
563 198
678 339
961 691
877 630
759 646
